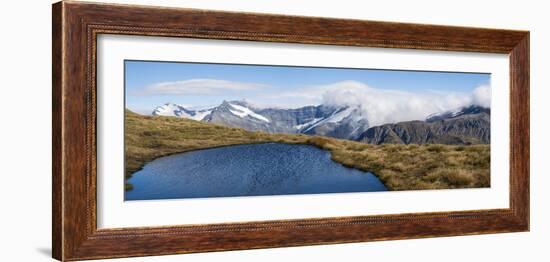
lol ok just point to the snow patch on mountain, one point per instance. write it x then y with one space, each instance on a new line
340 115
315 120
200 115
167 109
335 117
242 112
445 114
467 110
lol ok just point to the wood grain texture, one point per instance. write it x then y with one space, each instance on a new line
76 26
57 195
519 129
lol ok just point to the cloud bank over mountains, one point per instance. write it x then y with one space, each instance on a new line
390 106
379 105
482 96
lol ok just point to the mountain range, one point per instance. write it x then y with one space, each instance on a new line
466 125
340 122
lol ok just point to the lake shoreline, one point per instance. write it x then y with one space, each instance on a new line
249 170
230 145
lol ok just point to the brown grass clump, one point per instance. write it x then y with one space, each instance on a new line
399 167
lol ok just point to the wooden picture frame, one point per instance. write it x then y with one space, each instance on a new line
76 26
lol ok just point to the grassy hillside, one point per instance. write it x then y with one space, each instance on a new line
400 167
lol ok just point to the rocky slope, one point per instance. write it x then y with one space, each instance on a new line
469 125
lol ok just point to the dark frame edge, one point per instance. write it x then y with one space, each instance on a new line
57 75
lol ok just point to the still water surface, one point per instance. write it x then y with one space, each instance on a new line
248 170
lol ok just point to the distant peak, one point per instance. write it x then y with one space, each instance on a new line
241 102
465 110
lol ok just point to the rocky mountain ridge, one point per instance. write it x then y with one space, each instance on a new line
466 125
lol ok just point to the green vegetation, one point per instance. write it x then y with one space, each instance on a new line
399 167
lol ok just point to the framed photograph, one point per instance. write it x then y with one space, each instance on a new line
182 130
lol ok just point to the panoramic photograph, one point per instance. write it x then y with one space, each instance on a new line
201 130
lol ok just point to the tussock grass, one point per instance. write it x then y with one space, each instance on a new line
399 167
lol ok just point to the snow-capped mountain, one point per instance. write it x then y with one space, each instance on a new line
467 110
340 122
170 109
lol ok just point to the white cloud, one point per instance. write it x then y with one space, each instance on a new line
389 106
199 87
482 96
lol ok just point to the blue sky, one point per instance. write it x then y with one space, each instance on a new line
149 84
